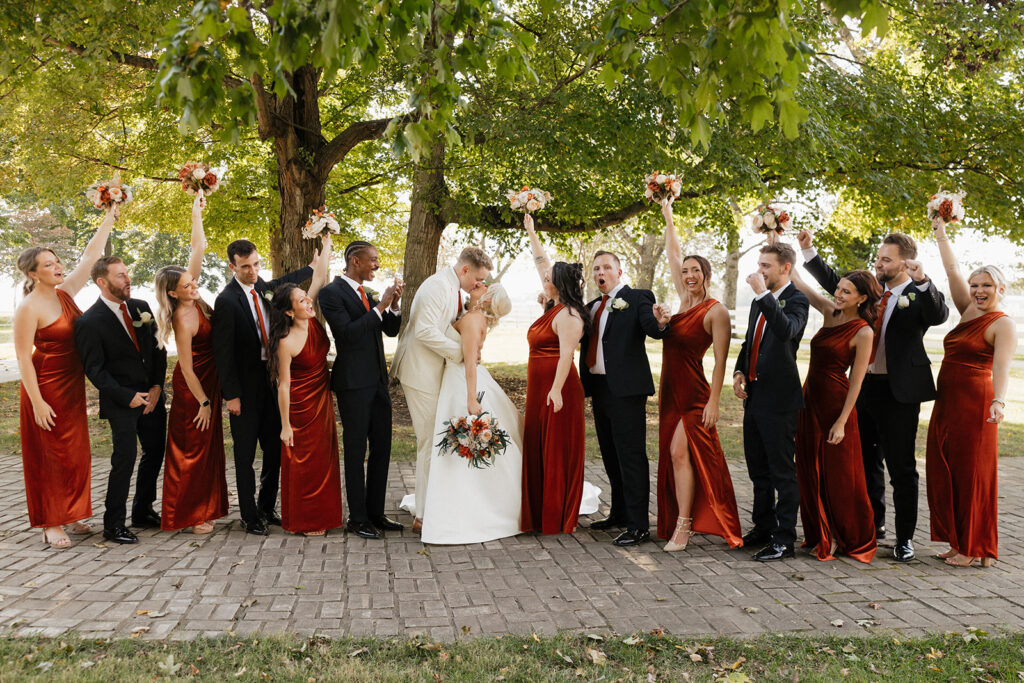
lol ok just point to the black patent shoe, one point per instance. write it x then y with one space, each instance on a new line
363 530
120 534
904 551
632 537
774 552
385 524
257 528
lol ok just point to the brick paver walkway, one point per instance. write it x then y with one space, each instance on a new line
178 585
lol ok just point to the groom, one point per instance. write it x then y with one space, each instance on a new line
360 381
427 342
617 376
116 339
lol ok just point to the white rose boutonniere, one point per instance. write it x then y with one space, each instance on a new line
782 303
618 304
905 300
145 318
268 295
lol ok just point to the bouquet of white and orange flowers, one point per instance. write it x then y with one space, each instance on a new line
528 199
320 222
112 192
658 186
197 177
477 438
768 218
948 205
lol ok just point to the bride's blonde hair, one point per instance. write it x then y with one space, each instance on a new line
495 304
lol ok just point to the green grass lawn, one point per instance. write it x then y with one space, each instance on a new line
512 376
644 657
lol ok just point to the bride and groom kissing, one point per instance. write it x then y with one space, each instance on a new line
437 363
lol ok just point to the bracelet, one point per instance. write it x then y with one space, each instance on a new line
998 400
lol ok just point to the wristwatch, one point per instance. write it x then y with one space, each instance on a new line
205 403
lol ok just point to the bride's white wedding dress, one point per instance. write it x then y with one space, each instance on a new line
465 504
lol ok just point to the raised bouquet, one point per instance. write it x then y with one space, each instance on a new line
110 193
320 222
477 438
948 205
197 177
768 218
659 186
528 199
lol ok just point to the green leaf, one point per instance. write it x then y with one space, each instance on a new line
791 115
761 112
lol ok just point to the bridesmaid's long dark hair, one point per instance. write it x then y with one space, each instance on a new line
865 283
567 278
280 325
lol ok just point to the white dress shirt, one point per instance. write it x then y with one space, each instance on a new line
777 293
115 307
599 368
355 286
248 289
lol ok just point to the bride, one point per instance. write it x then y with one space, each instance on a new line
464 504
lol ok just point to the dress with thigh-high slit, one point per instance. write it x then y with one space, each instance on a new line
684 393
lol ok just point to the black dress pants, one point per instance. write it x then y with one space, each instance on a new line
260 422
621 425
769 445
128 430
366 418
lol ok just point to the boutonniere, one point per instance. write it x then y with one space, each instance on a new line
618 304
370 292
145 318
268 295
904 300
782 303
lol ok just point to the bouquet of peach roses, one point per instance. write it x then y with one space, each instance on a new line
528 199
768 218
110 193
477 438
197 177
948 205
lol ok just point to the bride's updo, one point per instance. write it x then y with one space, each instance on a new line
495 304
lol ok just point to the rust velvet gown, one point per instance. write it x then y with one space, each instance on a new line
553 443
195 488
684 392
57 463
834 503
962 450
310 472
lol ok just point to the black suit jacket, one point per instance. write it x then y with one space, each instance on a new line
777 388
907 363
236 340
625 355
357 336
112 362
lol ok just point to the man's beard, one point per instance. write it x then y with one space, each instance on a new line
883 278
122 293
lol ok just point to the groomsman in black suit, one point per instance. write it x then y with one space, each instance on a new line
116 339
360 381
617 376
767 380
240 332
899 378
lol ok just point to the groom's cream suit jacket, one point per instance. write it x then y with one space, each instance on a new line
429 339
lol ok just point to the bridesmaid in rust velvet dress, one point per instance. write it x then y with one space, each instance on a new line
310 471
834 506
195 487
54 429
553 433
695 493
963 434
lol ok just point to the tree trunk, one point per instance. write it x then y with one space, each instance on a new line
426 223
732 268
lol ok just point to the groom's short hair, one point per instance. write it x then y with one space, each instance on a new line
783 252
476 257
240 248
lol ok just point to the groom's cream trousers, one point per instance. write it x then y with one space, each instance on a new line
422 410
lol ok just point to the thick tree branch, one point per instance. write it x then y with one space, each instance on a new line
343 142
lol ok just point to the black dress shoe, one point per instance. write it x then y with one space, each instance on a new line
631 537
145 519
879 532
120 534
363 530
385 524
773 552
756 537
271 518
607 523
904 551
257 528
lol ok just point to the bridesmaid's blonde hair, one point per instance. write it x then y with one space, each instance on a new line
996 275
27 264
165 282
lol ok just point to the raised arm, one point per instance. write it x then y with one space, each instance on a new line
672 248
721 331
569 329
958 286
815 265
198 241
540 257
815 297
321 266
862 343
74 282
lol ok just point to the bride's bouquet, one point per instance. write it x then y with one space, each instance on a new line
948 205
320 222
477 438
197 177
768 218
106 194
658 186
528 199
